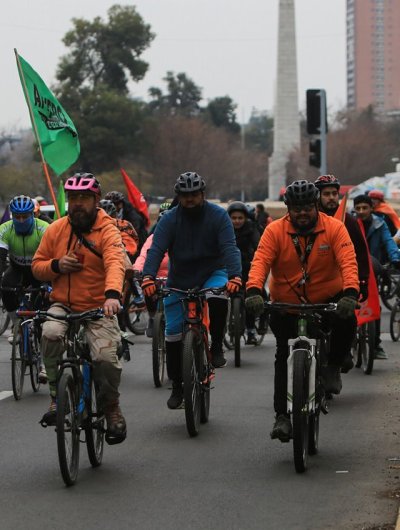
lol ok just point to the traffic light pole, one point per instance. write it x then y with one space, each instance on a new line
323 131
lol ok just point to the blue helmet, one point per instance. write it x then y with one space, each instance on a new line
21 204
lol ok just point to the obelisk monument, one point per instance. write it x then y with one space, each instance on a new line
286 108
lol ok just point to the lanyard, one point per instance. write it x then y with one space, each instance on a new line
303 257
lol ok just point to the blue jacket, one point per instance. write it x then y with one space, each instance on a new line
380 241
197 246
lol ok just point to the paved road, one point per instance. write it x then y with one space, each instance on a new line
231 476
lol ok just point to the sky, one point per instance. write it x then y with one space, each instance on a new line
227 47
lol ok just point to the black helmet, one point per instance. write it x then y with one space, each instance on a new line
238 206
108 207
325 181
114 196
188 182
300 192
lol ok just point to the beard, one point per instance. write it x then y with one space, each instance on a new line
194 211
81 220
306 228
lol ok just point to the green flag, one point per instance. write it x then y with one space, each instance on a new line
60 200
57 134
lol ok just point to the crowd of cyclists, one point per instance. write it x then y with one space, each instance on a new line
316 253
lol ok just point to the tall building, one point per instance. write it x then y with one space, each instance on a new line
373 54
286 109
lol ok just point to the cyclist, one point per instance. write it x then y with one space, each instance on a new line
19 239
247 238
311 259
200 241
328 203
83 256
126 211
40 215
262 217
385 211
380 245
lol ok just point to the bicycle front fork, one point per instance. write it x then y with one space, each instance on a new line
293 347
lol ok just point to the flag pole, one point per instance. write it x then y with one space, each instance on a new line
44 164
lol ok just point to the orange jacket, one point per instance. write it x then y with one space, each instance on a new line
129 236
87 288
331 265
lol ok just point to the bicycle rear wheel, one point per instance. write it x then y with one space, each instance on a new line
300 413
35 359
205 382
67 429
388 289
4 318
94 429
236 327
18 363
159 350
367 346
191 383
395 322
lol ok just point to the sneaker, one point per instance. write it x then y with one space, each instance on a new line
49 418
332 379
282 429
176 398
218 360
116 425
149 329
42 376
10 339
251 338
380 354
347 364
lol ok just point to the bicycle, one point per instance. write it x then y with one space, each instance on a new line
77 409
158 340
197 370
26 340
305 390
134 307
364 346
389 285
395 320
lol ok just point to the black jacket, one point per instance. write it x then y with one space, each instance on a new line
247 238
129 213
360 246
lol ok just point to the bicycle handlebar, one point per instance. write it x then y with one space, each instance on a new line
301 308
166 291
91 314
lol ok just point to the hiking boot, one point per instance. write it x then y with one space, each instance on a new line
42 375
379 353
149 329
347 364
251 338
217 356
176 398
116 425
49 418
332 379
282 428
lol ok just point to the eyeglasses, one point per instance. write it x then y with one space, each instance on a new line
82 197
304 208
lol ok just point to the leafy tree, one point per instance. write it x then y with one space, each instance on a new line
183 96
259 131
221 112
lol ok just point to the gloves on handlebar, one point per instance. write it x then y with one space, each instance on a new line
363 291
346 306
234 284
149 287
254 302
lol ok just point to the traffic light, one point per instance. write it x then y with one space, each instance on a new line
314 118
314 158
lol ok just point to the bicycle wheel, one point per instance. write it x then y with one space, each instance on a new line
367 346
262 323
18 363
388 289
191 383
205 382
395 322
355 349
300 414
159 351
236 323
94 429
4 318
67 429
228 339
136 316
34 367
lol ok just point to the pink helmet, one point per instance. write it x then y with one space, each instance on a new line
83 182
376 194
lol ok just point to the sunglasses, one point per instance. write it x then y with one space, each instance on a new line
304 208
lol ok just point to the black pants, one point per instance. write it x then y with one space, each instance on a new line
284 327
16 277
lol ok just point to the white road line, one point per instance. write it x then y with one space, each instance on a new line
5 394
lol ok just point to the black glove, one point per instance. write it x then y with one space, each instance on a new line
363 291
346 306
396 265
254 302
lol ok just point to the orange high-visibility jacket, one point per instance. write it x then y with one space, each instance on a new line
85 289
331 265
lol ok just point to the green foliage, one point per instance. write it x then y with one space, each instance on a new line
183 96
221 113
259 132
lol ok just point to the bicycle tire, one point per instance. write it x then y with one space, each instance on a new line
387 292
355 349
136 317
34 367
236 322
67 423
18 363
94 429
228 341
4 318
300 415
159 350
191 383
367 346
205 395
395 322
261 336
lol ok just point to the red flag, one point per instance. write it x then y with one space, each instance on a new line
135 197
370 309
341 211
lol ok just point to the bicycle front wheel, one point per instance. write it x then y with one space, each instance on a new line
18 363
191 383
94 429
300 413
159 350
67 429
236 323
395 322
35 359
367 346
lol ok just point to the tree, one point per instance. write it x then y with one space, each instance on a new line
221 113
259 131
183 96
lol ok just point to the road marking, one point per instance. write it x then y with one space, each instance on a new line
5 394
